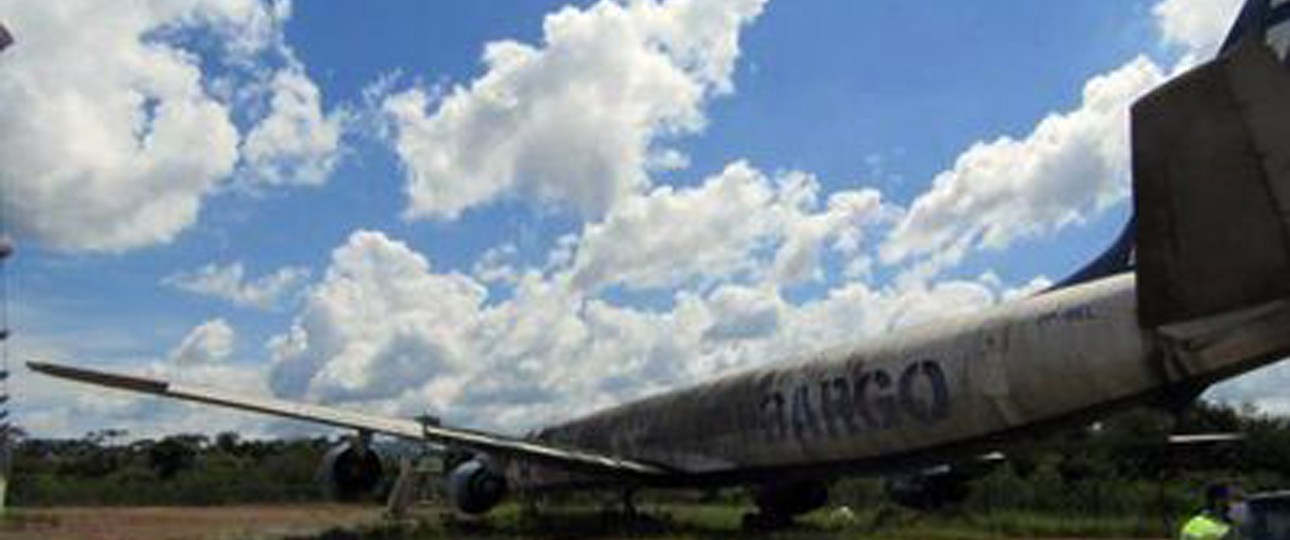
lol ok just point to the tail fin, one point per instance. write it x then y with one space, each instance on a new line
1264 19
1117 259
1211 167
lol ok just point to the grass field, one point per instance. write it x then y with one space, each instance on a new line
660 521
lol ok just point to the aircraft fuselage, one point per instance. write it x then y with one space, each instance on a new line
912 398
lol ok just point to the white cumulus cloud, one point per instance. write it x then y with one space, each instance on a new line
1072 165
1198 26
380 322
721 228
580 119
112 135
296 143
231 283
384 331
740 312
99 126
211 342
576 120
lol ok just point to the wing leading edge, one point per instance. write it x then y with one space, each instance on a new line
566 458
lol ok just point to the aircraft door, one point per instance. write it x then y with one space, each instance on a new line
990 373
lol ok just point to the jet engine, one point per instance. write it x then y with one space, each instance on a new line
351 470
475 487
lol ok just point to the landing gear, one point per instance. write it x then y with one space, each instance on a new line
620 515
405 491
778 503
629 503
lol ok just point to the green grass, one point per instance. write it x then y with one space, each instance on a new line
1019 525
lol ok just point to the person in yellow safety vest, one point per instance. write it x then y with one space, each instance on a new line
1214 521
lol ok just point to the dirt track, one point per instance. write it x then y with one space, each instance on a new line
169 523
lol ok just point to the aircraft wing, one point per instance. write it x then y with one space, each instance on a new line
566 458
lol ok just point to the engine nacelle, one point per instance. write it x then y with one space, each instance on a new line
351 470
474 487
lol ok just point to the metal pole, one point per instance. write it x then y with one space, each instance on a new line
6 251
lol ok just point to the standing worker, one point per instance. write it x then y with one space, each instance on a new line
1214 521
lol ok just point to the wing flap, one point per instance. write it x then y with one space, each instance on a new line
568 458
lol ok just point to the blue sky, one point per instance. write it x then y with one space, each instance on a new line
350 203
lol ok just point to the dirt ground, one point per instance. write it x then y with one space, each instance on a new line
169 523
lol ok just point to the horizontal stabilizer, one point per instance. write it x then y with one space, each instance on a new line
497 445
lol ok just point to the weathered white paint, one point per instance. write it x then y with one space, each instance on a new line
1029 362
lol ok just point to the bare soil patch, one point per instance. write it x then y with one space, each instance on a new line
182 523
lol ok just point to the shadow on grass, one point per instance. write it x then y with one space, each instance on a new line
576 524
723 522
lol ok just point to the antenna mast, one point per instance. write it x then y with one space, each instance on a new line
6 251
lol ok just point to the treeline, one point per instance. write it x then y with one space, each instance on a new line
1123 467
1116 468
104 468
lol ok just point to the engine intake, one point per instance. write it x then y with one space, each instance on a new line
351 471
474 487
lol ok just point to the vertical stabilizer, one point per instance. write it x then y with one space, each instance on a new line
1211 167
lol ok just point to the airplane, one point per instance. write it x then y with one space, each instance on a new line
1195 290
